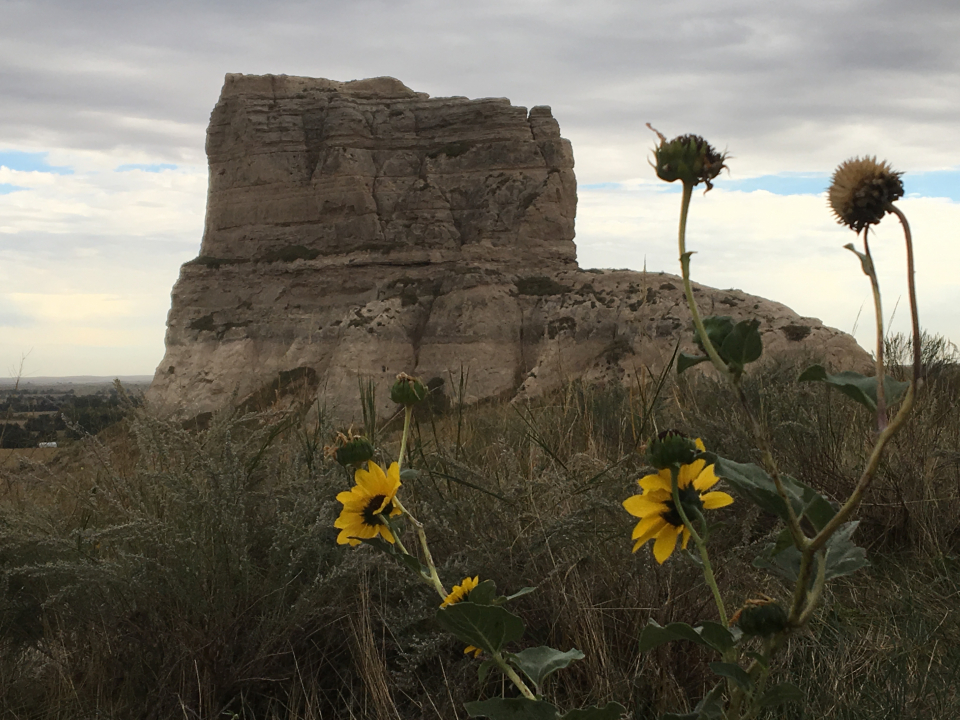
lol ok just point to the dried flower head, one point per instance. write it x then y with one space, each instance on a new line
861 190
688 158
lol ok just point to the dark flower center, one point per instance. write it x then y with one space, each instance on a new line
371 516
690 500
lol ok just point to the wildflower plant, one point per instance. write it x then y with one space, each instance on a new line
812 544
815 542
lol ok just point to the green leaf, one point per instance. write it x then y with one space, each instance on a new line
761 660
519 593
844 557
484 670
511 709
685 716
866 264
782 693
488 627
785 562
408 474
653 635
734 672
743 344
538 663
686 361
484 594
715 635
718 327
859 387
711 706
752 482
610 711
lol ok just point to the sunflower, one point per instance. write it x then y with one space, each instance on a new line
658 515
861 191
365 503
460 593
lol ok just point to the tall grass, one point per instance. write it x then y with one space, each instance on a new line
160 572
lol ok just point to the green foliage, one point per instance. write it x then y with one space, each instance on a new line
538 663
737 344
859 387
488 627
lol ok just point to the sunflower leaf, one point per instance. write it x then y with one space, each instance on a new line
538 663
844 557
484 670
859 387
408 474
488 627
715 635
654 635
610 711
511 709
734 672
484 594
742 344
752 481
519 593
685 361
780 694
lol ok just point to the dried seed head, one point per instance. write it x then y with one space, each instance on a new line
861 190
688 158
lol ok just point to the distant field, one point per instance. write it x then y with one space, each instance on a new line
35 454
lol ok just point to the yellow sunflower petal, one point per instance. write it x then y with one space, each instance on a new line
647 528
651 483
666 542
686 539
714 500
699 443
371 481
706 479
689 473
641 506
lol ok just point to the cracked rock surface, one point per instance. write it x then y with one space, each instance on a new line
361 229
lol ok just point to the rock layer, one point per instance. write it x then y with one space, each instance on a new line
360 229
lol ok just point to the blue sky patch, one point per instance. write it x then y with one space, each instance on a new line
784 184
6 188
151 168
932 183
30 162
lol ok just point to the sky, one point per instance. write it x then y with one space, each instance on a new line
104 108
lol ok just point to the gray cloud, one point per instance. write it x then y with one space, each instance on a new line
790 85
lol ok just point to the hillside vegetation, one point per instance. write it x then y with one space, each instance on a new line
159 572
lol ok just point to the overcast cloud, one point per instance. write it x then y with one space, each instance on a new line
105 106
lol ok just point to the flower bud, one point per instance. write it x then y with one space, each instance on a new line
762 618
688 158
671 448
861 190
407 390
354 451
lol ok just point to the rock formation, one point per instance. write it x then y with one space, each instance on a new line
361 229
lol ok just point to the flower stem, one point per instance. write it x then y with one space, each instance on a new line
701 545
871 272
688 288
407 414
422 536
912 288
514 678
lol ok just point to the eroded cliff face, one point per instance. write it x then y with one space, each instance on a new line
361 229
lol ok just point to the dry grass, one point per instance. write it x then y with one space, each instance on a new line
164 573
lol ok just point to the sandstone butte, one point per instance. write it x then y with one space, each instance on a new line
355 230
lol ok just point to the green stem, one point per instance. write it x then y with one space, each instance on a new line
708 347
514 678
912 289
878 311
422 536
407 414
701 545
